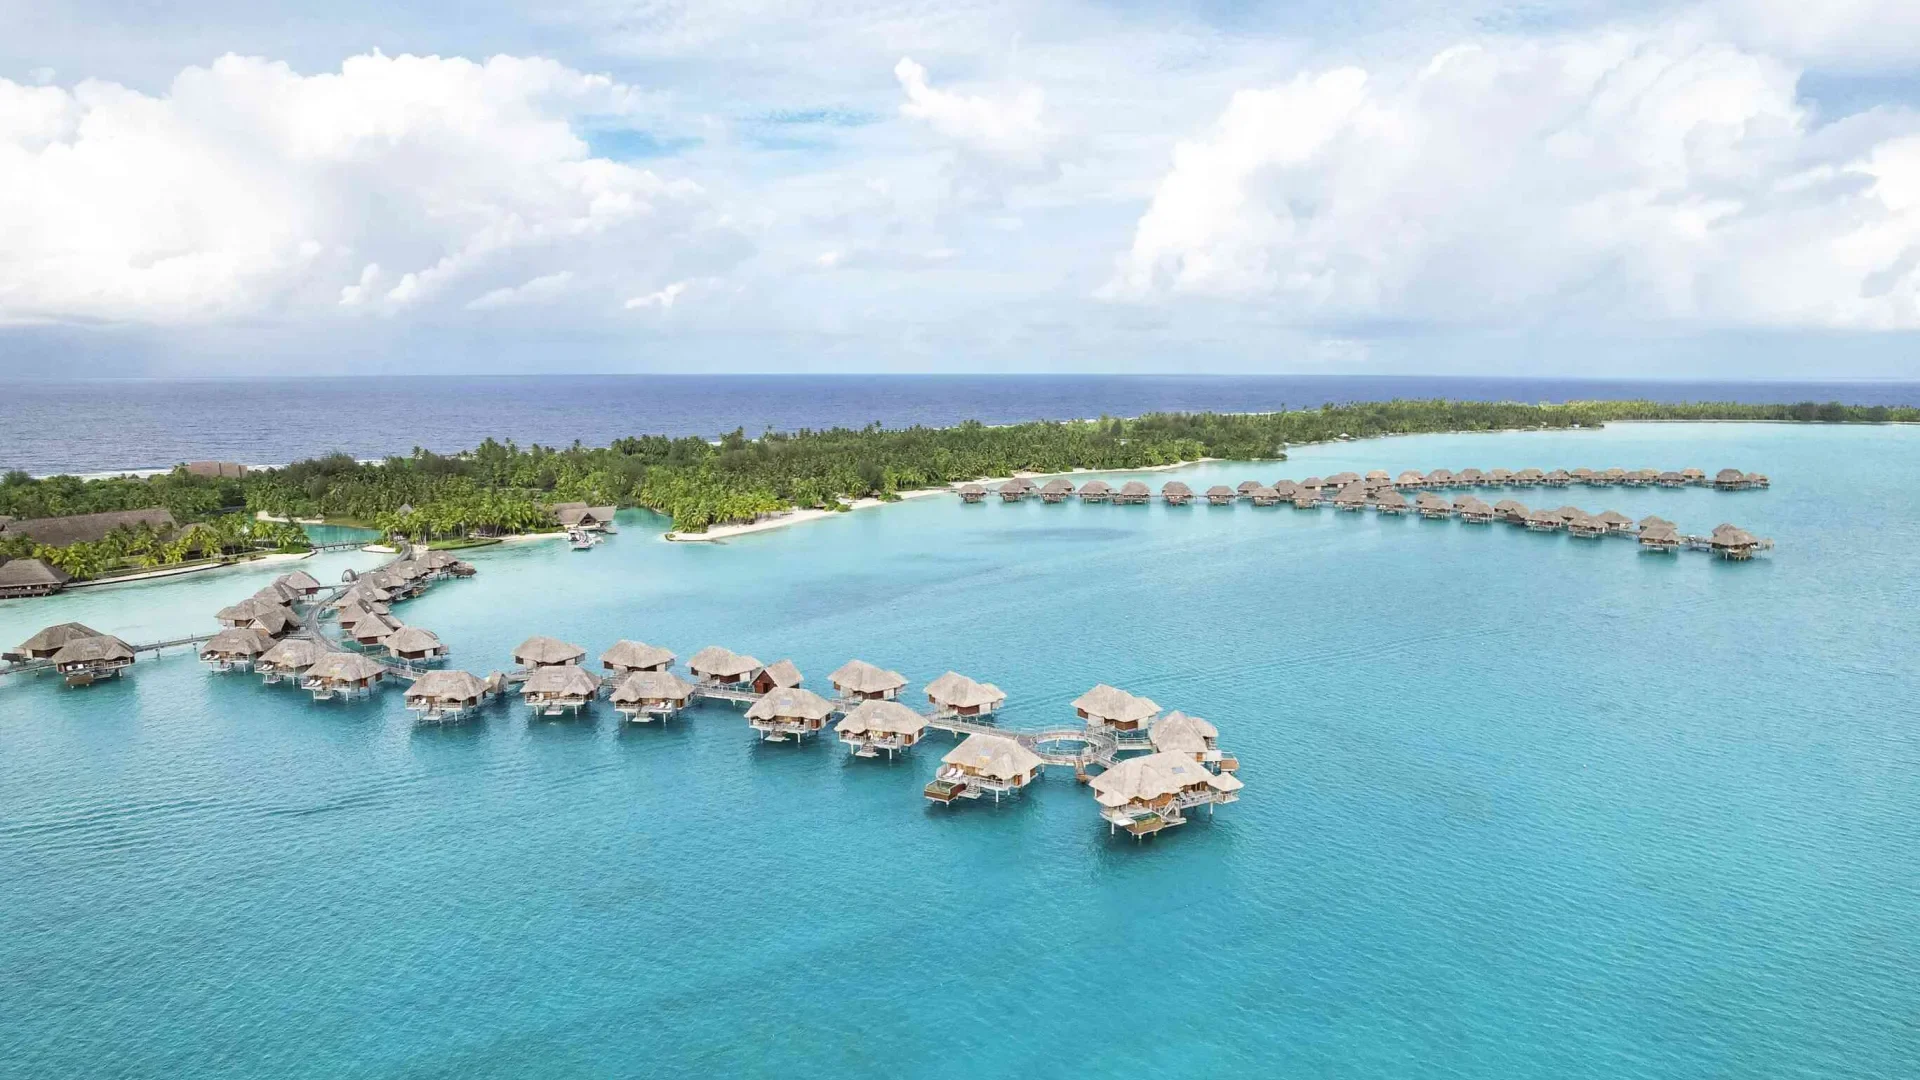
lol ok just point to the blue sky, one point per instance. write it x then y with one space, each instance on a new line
1718 188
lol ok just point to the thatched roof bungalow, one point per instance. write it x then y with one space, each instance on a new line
1059 489
1262 495
953 694
1245 487
49 641
85 660
1219 495
1512 511
439 696
1094 491
1134 493
1729 480
972 493
1694 476
1341 479
1306 498
1528 477
788 713
235 649
1582 476
1176 493
1431 506
1178 733
1545 521
30 577
1474 511
89 528
371 631
779 675
275 592
274 621
1758 480
626 657
559 688
1615 475
1732 542
1440 478
1470 478
715 666
1670 479
1147 794
1499 477
1014 491
539 652
302 583
875 725
342 675
857 680
1352 498
1107 708
1580 523
1557 478
1660 537
414 645
1615 521
288 658
247 610
982 764
650 693
1389 501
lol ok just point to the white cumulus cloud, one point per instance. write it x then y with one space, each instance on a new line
662 299
544 288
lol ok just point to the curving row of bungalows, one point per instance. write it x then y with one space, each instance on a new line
1178 493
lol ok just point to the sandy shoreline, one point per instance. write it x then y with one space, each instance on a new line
181 571
797 516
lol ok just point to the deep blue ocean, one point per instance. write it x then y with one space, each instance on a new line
1517 805
99 425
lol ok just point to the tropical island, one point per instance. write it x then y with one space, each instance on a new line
501 488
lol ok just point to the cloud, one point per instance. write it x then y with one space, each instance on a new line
1009 129
662 299
395 184
1636 177
544 288
1857 35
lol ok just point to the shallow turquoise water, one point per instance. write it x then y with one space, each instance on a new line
1517 806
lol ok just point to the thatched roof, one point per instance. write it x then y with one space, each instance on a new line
1693 474
1286 489
30 573
50 639
1013 487
1135 487
1026 484
1313 482
1342 478
1180 733
1058 486
994 756
1440 476
275 621
1353 495
296 652
1654 519
570 680
1613 517
860 677
1734 538
277 592
786 673
1545 517
1412 477
1661 533
1176 487
301 580
1581 473
1218 490
1470 476
790 703
1096 487
1499 475
1728 476
1247 486
344 667
413 639
1262 493
955 691
1111 703
1390 497
1376 474
652 686
881 718
249 609
1427 500
1510 506
635 654
1615 473
545 651
459 686
972 489
93 650
714 661
376 628
1155 776
237 641
1528 474
89 528
1559 474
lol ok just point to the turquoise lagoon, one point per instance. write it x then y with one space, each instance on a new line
1517 805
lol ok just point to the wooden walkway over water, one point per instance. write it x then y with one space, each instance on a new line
24 667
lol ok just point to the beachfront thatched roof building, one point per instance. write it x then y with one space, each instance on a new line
30 577
85 660
1058 489
1219 495
644 695
972 493
953 694
446 695
49 641
414 645
779 675
288 658
235 648
874 726
578 515
342 675
1094 491
1108 708
1176 493
559 688
1147 794
89 528
626 657
539 652
857 680
715 666
788 713
984 764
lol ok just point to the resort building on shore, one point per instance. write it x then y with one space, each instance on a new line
440 696
44 644
559 688
235 649
1176 493
89 528
30 577
1096 491
779 675
539 652
647 694
953 694
415 645
87 660
1144 795
578 515
982 765
627 657
1056 490
715 666
857 680
1219 495
342 675
876 725
288 659
1107 708
789 713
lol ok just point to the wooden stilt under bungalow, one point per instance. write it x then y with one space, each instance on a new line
954 694
779 675
1147 794
51 640
983 765
627 657
235 649
875 726
1096 491
645 695
415 645
539 652
1431 506
288 659
1176 493
972 493
342 675
789 713
88 660
440 696
717 667
30 577
1133 493
857 680
1108 708
1219 495
1056 490
558 689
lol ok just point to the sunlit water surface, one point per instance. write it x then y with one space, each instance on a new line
1517 805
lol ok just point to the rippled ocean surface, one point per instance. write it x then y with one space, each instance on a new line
1517 805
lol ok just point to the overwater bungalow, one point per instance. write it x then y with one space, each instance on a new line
857 680
1474 511
235 649
1733 542
415 645
1660 537
984 764
302 583
1314 484
627 657
644 695
1470 478
1512 511
1582 476
1147 794
372 630
1134 493
972 493
1670 479
1306 498
276 592
1615 475
1615 521
539 652
247 610
342 675
1263 495
715 666
44 644
1499 477
288 659
1390 501
365 594
1342 479
1758 480
1107 708
274 622
1245 488
1219 495
559 688
788 713
1352 498
1729 480
1285 489
1411 480
1653 519
1375 485
440 696
1580 523
1694 476
1178 733
88 660
1431 506
1557 478
954 694
779 675
874 726
1095 491
1176 493
1056 490
1545 521
30 577
1528 477
1013 491
1440 478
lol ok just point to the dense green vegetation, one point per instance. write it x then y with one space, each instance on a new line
500 488
140 547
